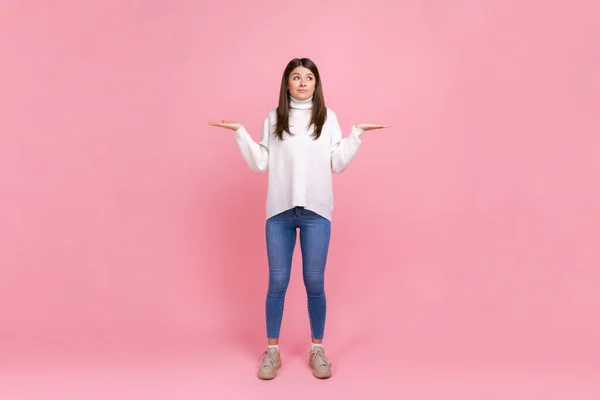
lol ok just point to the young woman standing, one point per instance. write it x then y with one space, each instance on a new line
301 145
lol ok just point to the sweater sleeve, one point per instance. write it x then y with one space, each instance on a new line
255 154
343 150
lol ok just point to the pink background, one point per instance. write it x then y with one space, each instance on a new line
464 259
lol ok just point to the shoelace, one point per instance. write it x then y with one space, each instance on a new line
268 360
320 357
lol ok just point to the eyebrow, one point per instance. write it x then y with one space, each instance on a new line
296 73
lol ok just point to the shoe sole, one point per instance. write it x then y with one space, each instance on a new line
320 376
269 377
324 376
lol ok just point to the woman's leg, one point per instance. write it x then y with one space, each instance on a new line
315 232
281 240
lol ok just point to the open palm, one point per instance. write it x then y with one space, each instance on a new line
368 127
233 125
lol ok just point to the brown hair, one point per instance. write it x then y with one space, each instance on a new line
319 111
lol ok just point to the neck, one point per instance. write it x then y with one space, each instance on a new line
301 104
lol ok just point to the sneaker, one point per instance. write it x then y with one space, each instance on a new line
321 367
271 362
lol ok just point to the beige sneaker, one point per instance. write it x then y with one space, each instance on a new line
321 367
271 362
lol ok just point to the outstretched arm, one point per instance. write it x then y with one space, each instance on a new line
343 150
255 154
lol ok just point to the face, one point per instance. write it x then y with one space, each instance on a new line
301 83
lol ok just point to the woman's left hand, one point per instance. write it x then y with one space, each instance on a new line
368 127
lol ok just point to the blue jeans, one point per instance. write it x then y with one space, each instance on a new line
315 232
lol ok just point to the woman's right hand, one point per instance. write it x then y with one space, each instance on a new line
233 125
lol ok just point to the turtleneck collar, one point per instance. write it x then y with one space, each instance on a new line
301 104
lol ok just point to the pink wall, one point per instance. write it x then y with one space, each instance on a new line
470 229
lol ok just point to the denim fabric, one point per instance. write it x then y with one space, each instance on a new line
315 232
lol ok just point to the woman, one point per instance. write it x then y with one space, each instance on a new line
301 144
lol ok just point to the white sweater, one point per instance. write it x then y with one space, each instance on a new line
299 166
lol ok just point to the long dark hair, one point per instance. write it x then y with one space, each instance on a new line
319 111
